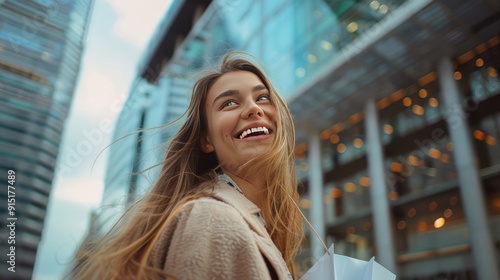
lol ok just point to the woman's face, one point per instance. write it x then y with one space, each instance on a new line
240 117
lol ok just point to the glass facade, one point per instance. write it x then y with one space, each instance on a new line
330 58
428 217
41 44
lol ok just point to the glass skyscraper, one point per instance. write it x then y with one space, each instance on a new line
395 104
41 44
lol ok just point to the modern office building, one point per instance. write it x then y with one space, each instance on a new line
158 96
41 44
396 110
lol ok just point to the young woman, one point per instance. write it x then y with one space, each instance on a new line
224 206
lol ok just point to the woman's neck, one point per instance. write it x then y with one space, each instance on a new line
254 190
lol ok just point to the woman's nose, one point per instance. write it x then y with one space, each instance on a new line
253 110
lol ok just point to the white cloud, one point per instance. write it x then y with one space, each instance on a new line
138 19
85 191
100 95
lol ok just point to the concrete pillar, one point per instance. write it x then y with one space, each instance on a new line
380 204
316 195
483 247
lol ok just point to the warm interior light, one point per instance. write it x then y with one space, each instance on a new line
398 95
450 146
422 226
422 93
341 148
325 134
358 143
383 9
355 118
481 48
432 206
496 202
479 62
304 166
453 200
336 193
413 160
494 41
301 148
352 27
492 72
466 57
427 78
439 222
365 181
407 101
305 203
374 5
383 103
350 187
393 195
491 140
401 225
418 110
433 102
479 135
338 127
334 138
445 158
396 167
447 213
457 75
412 212
434 153
388 129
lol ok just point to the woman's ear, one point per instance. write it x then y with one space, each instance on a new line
206 145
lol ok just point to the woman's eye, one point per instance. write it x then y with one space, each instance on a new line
264 97
228 103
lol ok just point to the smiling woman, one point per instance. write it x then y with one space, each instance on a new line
224 206
240 120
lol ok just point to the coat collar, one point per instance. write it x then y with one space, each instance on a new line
227 191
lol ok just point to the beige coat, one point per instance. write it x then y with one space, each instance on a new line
220 237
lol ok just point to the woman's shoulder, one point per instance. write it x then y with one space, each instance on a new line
200 225
204 208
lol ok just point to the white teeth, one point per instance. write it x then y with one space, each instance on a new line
254 129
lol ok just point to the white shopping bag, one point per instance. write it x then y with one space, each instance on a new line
337 267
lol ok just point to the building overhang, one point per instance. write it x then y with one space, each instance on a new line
399 51
175 26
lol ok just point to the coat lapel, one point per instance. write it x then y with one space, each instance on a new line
249 211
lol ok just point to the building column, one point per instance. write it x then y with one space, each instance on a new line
483 247
380 204
316 195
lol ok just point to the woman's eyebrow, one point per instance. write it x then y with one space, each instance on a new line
259 87
229 92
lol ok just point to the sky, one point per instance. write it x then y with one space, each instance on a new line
118 33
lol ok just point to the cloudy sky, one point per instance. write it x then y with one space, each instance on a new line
118 33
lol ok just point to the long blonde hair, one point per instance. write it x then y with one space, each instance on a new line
188 173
